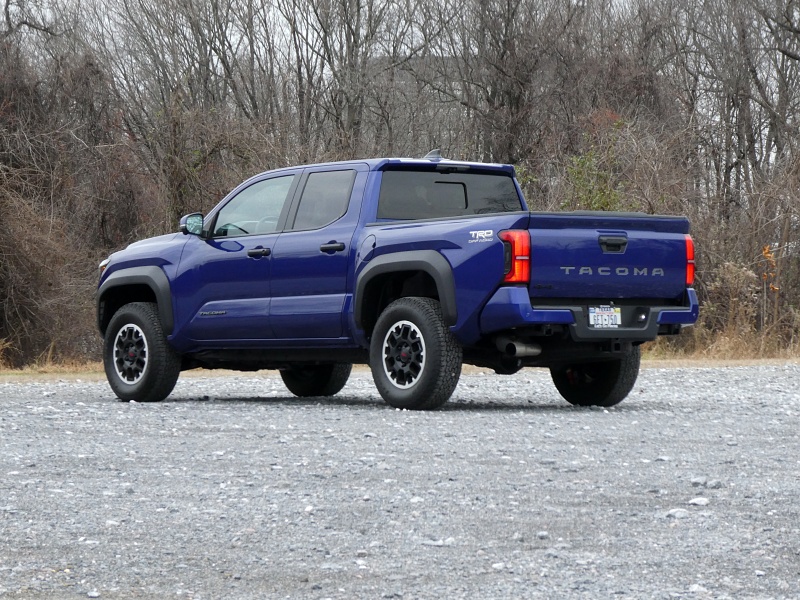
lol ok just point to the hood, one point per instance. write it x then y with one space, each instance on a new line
160 250
159 240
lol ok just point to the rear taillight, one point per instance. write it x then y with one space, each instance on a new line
517 245
689 260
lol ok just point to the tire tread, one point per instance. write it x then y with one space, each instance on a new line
449 360
163 363
323 383
619 378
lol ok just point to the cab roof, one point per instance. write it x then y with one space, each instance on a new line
426 164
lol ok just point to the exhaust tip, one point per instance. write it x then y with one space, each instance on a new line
514 348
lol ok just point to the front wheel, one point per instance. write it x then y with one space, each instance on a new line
316 380
604 383
139 362
415 360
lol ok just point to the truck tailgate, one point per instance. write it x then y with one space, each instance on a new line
604 255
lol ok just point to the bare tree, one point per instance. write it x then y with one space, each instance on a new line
118 117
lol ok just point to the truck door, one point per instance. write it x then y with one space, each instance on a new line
223 284
313 256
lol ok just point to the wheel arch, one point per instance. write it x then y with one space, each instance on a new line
424 273
136 284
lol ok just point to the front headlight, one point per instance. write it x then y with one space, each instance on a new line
103 265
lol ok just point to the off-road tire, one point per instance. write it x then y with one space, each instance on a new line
415 360
316 380
605 383
140 364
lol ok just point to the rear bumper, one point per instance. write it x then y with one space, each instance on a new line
510 308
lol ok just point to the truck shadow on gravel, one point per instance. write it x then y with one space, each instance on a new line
555 405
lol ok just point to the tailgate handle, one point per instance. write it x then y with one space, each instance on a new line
613 244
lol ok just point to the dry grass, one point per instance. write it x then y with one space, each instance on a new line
88 371
5 346
700 344
703 362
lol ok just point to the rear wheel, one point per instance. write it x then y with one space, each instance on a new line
316 380
139 363
603 383
415 360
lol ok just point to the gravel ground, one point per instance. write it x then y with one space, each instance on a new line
232 489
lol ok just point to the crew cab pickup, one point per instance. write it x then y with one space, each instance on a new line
412 266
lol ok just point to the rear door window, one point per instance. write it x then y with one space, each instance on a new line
412 195
325 198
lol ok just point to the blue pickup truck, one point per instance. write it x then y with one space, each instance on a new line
412 266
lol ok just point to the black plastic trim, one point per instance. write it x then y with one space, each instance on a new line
154 278
428 261
647 331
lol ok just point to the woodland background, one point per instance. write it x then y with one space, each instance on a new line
118 116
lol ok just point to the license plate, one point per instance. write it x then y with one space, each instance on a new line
605 317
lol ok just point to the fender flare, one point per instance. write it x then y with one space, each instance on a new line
154 278
428 261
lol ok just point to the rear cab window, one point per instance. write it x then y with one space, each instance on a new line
325 199
417 194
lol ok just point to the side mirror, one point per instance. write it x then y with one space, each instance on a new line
192 224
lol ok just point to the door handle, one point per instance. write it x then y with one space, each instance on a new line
259 252
332 247
613 244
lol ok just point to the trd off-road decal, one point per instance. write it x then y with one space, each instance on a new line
479 237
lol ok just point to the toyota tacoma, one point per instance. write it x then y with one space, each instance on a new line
411 266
